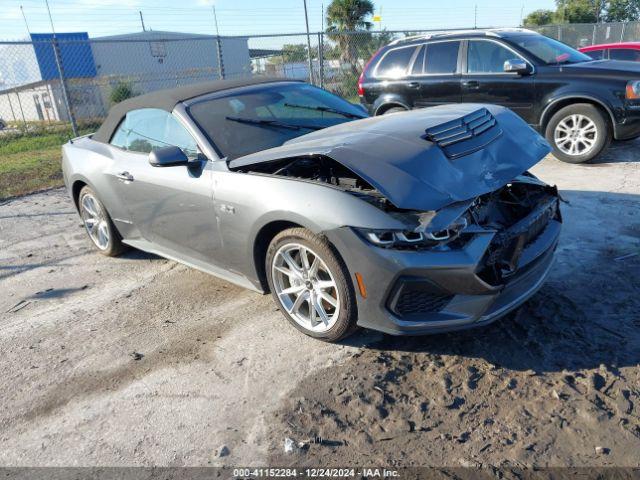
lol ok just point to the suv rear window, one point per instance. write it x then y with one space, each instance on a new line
395 62
441 58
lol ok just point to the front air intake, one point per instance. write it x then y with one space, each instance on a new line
465 135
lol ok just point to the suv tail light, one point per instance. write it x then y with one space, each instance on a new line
364 70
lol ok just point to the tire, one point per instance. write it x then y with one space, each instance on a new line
394 110
97 222
340 319
587 123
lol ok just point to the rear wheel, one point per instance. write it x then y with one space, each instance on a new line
98 224
394 110
311 285
578 133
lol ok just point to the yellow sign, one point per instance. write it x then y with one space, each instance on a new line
377 18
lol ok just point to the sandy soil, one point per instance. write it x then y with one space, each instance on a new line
141 361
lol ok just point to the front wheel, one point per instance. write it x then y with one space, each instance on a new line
578 133
311 285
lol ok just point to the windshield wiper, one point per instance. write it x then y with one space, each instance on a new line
273 123
320 108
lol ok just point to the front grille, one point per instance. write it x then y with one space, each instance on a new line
466 134
414 297
413 301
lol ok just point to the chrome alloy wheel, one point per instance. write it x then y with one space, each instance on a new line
95 221
305 287
575 135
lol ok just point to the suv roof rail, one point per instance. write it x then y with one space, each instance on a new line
490 32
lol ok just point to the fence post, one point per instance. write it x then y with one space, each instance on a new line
24 120
15 119
624 24
560 32
63 84
220 58
593 40
321 58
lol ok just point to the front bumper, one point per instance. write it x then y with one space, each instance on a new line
452 294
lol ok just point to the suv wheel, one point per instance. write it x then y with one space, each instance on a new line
578 133
311 285
394 110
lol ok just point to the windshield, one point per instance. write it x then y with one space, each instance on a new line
549 51
264 117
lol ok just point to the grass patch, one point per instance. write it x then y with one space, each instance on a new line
30 161
27 171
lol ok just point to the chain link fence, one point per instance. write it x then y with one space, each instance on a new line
68 83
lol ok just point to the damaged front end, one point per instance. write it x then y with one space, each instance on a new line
474 232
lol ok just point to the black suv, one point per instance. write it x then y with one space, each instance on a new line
578 103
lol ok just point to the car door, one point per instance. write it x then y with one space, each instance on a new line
171 206
485 81
436 74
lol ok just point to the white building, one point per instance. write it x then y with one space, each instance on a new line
145 61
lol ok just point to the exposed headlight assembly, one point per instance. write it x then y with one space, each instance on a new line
633 90
410 238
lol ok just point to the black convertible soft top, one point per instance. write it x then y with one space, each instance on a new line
169 98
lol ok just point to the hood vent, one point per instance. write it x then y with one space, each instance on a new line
465 135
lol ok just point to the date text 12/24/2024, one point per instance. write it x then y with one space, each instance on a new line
314 473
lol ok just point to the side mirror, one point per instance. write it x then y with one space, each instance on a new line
168 157
516 65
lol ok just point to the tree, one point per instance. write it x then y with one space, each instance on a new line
539 17
348 16
120 92
587 11
579 11
623 11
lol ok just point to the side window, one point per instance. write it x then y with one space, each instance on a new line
147 129
395 63
487 57
624 54
441 58
596 54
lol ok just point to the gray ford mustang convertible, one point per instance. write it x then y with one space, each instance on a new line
411 223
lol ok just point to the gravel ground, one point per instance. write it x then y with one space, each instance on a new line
141 361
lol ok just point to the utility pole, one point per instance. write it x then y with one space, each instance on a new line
142 21
25 20
522 15
218 46
306 19
63 83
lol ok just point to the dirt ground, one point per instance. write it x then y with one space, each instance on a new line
141 361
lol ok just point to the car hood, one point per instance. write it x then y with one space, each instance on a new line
405 158
605 66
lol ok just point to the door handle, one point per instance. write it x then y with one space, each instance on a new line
471 84
413 84
124 176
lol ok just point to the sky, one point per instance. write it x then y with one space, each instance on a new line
246 17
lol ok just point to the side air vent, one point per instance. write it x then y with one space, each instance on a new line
465 135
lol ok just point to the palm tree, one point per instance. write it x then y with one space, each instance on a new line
348 16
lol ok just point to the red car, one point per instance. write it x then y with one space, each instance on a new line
629 51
